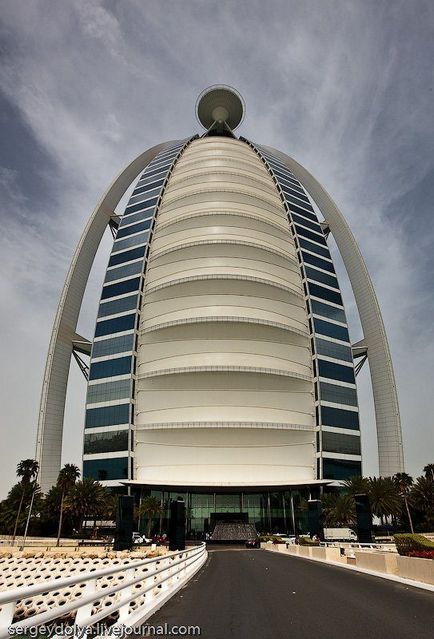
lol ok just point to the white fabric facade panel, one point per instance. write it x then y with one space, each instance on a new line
224 389
224 457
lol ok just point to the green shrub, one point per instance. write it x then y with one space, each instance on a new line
307 541
273 538
407 543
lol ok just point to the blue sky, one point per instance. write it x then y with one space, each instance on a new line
346 87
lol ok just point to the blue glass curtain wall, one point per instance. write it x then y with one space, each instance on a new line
112 366
330 338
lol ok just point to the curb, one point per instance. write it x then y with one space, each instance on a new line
402 580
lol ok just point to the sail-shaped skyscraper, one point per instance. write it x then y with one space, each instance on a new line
221 366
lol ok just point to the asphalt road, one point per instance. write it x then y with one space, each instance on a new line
255 594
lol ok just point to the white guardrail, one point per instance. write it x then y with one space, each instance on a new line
161 576
350 546
355 544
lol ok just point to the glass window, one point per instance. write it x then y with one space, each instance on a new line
108 416
295 186
325 294
330 349
135 199
121 344
328 311
109 442
163 158
338 394
290 191
158 170
302 212
108 391
273 161
115 325
311 225
110 367
319 276
314 248
331 330
140 216
317 261
145 180
228 503
340 418
341 443
309 234
297 202
134 228
117 306
143 205
341 469
127 256
128 286
160 160
124 271
103 469
336 371
148 187
281 171
171 151
135 240
288 178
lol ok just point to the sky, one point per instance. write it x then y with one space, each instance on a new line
346 87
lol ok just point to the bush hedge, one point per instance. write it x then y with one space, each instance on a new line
422 554
273 538
407 543
307 541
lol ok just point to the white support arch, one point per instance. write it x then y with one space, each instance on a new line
389 436
53 396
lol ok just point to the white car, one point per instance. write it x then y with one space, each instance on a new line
140 539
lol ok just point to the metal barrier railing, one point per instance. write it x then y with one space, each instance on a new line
163 577
349 546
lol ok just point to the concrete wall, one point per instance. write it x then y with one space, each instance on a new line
382 562
378 561
418 569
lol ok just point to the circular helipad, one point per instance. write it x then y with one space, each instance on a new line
220 103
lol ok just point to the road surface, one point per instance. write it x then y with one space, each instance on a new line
255 594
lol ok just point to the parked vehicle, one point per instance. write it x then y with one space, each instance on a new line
253 543
140 539
339 534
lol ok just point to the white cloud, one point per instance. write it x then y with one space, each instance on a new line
345 87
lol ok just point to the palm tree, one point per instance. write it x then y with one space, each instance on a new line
383 497
339 509
68 475
357 485
422 495
429 471
27 469
403 483
151 507
87 498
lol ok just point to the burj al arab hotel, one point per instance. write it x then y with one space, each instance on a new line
221 366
